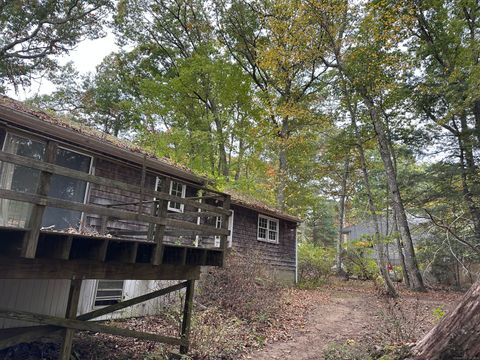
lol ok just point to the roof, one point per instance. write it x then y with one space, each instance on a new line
254 204
73 132
64 128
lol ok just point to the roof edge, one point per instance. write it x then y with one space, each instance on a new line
29 121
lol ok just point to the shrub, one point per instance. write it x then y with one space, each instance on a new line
314 264
244 287
359 262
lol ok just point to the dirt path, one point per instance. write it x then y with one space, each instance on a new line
358 315
347 315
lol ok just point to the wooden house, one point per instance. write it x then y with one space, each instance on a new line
91 226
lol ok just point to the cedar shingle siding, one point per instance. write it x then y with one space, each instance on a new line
281 256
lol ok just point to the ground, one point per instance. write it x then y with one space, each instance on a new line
353 313
336 318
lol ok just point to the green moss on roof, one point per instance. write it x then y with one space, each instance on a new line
69 123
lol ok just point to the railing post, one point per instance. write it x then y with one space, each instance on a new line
187 316
224 238
157 254
30 241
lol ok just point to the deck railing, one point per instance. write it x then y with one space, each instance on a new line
150 210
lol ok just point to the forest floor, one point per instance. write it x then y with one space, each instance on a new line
340 320
351 320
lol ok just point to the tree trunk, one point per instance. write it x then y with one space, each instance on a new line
341 218
416 281
400 250
282 165
373 211
457 336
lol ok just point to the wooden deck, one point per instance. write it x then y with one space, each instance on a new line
162 238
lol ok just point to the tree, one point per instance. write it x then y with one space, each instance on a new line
277 45
445 40
371 61
35 33
103 99
456 335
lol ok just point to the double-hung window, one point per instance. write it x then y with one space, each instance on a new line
177 189
268 229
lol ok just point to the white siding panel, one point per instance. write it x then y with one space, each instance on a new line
50 297
41 296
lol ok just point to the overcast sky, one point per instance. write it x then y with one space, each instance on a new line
86 56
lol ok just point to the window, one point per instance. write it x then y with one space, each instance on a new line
176 189
218 225
19 178
67 188
108 292
267 229
23 179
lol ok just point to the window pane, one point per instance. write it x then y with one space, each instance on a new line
67 188
273 225
262 233
262 223
20 179
272 235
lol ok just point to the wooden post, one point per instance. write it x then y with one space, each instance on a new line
187 316
30 241
224 238
71 313
157 254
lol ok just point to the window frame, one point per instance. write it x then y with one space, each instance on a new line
39 139
182 205
95 293
217 238
267 229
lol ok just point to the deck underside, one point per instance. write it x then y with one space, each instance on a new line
63 255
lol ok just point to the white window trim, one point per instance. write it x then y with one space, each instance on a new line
184 190
230 228
268 218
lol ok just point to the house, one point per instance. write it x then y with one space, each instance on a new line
79 204
366 228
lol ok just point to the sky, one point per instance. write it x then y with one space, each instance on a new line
86 56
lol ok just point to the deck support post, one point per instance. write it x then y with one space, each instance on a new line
187 317
71 313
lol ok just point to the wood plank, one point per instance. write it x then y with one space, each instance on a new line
193 214
94 179
130 302
70 313
30 242
22 268
101 210
86 326
12 337
88 208
187 317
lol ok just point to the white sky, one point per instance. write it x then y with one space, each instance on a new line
86 56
